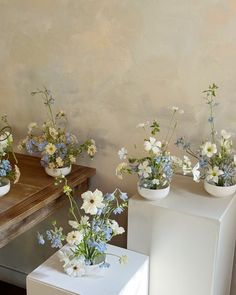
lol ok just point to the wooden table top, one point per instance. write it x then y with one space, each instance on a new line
34 197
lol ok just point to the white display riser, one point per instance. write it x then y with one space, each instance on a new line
129 279
190 238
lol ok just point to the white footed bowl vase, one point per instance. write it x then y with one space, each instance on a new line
5 187
153 194
58 171
219 191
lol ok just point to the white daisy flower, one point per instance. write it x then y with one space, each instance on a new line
75 268
117 230
152 145
209 149
50 148
144 169
92 201
74 237
213 174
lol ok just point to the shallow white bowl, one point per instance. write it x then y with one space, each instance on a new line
58 171
219 191
5 188
153 194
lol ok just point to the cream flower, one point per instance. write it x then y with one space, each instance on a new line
53 132
156 181
92 201
17 174
123 259
117 230
74 237
144 169
122 167
123 153
213 174
152 145
72 159
73 224
59 162
209 149
50 148
92 150
84 220
31 126
226 135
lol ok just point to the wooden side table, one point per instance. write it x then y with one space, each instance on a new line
35 197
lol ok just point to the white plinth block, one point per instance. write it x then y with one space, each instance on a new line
190 238
129 279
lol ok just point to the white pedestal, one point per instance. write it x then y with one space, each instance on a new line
190 238
128 279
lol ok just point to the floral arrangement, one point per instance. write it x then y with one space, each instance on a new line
6 149
58 147
216 161
87 242
154 170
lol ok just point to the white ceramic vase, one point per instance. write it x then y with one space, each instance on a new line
153 194
5 186
58 171
219 191
91 270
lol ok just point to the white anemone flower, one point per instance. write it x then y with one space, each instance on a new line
226 135
75 268
123 153
196 173
50 149
117 230
74 237
213 174
152 145
209 149
92 201
144 169
156 181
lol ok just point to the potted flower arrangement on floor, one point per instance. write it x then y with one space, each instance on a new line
58 148
7 172
85 251
216 160
156 168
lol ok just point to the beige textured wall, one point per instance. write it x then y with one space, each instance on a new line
112 64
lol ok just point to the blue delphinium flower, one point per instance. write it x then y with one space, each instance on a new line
107 232
109 197
29 146
56 241
211 119
104 265
118 210
123 196
100 246
42 145
40 238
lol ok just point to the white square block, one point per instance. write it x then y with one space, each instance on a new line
129 279
190 238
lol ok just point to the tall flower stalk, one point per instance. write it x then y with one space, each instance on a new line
87 242
57 146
